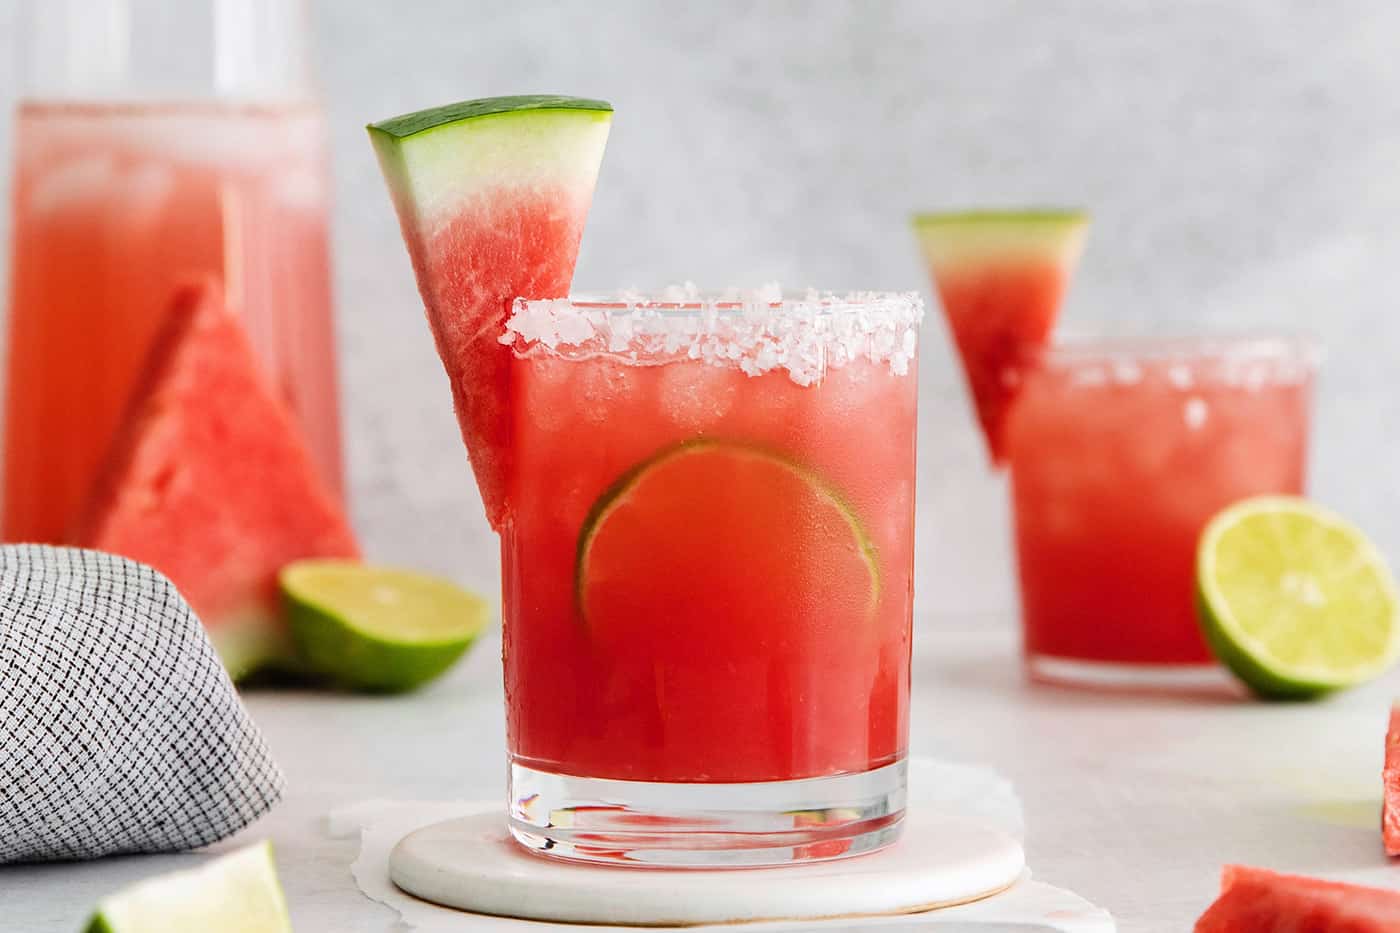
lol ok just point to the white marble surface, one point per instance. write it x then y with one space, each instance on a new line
1240 160
1133 803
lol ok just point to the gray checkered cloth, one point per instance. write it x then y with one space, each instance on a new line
119 730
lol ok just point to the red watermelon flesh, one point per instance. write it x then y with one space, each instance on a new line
492 196
1390 778
1001 277
1253 900
210 482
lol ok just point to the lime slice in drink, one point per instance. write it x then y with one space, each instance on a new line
378 628
238 893
1294 599
718 539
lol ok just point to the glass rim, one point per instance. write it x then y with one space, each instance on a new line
1088 349
756 331
688 300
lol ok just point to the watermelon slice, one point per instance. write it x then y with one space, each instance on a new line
1000 276
210 482
492 196
1253 900
1390 778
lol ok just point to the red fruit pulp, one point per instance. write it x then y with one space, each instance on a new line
1253 900
1000 312
1390 777
505 244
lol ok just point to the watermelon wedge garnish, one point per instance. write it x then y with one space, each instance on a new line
1000 276
492 196
1252 899
1390 778
211 482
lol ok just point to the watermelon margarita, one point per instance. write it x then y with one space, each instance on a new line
116 206
705 506
1120 452
708 571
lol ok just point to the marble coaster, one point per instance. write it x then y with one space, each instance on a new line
470 863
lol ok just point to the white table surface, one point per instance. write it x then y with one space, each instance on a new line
1133 803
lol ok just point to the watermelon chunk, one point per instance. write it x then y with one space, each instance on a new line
1253 900
1390 779
1000 276
492 196
210 481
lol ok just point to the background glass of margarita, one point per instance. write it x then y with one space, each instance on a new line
1120 452
156 143
708 577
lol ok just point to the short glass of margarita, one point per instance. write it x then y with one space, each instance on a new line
708 575
1120 451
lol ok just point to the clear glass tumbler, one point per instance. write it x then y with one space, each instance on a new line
157 143
1120 452
708 577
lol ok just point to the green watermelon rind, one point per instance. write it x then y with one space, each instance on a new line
421 121
1010 219
435 161
618 491
1009 237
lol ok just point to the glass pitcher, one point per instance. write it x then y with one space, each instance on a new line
156 142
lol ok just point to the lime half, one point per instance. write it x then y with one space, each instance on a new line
378 628
238 893
711 530
1294 599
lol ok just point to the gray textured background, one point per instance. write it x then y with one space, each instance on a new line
1242 161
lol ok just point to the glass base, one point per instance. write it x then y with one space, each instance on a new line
659 825
1106 675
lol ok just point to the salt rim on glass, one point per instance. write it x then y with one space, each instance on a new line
1243 360
756 330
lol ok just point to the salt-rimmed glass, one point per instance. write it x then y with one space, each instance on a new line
1120 451
708 575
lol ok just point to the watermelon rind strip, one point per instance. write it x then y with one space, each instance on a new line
1030 217
410 124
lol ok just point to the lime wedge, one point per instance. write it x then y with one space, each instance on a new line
238 893
378 628
1294 599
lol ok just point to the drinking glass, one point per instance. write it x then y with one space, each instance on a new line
708 576
1120 451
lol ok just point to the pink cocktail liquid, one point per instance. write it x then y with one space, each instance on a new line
708 575
1120 452
116 205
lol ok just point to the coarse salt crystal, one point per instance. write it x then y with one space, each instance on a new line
756 331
